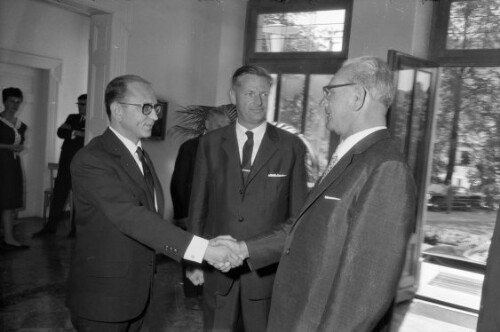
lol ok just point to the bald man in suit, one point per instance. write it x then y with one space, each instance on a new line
119 224
342 254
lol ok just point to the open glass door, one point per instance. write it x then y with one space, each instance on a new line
410 122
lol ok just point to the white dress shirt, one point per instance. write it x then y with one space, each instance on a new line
258 135
346 145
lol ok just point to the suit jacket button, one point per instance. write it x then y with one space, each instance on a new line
287 252
240 219
241 191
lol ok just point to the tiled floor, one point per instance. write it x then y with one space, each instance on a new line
33 290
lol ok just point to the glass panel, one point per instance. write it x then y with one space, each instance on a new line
464 190
474 25
421 96
402 109
315 128
291 100
271 101
314 31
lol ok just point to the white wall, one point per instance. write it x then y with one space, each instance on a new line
34 27
188 50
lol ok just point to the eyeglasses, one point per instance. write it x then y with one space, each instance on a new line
147 108
81 104
327 88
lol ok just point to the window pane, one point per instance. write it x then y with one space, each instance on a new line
465 181
291 99
315 128
315 31
474 25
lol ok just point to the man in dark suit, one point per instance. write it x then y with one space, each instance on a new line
72 131
489 312
180 190
249 177
345 249
119 221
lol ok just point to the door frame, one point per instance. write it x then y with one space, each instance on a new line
109 43
53 66
409 282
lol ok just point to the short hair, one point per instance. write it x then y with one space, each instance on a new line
374 75
84 96
252 70
117 89
11 92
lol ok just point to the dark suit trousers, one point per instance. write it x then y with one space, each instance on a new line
62 187
233 313
84 325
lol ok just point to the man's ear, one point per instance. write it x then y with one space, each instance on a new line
359 97
116 111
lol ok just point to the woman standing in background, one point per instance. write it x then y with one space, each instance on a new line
11 177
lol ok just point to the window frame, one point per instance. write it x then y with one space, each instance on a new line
287 59
456 57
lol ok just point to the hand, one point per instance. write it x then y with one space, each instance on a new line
240 248
195 275
17 147
79 133
222 257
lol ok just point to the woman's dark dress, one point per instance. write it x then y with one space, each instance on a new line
11 175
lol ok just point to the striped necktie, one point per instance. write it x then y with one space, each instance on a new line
333 161
148 176
246 162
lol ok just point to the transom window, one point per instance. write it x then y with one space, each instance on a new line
302 43
311 31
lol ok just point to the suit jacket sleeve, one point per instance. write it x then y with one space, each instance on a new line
112 196
489 312
65 130
267 248
199 193
373 255
182 178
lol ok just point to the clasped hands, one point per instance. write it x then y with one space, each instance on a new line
223 253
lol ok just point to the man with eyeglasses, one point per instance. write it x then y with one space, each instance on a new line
119 218
249 178
72 131
344 251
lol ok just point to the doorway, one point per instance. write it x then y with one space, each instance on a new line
33 111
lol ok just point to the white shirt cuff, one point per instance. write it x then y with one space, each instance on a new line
196 249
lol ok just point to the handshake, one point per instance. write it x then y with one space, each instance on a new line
223 253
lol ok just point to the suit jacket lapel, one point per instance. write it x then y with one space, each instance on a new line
339 168
230 147
267 148
157 186
127 162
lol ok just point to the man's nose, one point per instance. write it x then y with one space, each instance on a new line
153 115
259 99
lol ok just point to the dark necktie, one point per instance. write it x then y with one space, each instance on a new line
148 176
246 163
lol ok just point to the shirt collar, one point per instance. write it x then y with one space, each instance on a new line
350 141
257 131
131 146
